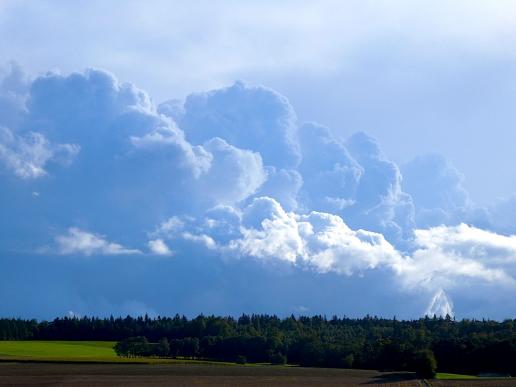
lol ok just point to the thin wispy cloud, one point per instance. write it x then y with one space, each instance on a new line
80 242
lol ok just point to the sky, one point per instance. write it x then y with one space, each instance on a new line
335 157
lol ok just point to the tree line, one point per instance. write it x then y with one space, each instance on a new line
466 346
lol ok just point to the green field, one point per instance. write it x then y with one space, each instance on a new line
446 376
58 350
77 351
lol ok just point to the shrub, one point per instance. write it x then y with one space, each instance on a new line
425 364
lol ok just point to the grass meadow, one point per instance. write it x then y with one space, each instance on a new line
80 351
58 350
447 376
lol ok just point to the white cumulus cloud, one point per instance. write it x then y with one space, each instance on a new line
77 241
159 247
26 156
445 257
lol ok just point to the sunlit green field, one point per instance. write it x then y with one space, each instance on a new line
59 350
76 351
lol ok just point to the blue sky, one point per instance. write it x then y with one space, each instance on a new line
284 157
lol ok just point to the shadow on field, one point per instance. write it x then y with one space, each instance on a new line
392 377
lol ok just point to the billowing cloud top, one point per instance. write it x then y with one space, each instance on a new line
225 179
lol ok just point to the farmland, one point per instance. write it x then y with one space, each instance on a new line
77 352
76 363
80 374
58 350
85 374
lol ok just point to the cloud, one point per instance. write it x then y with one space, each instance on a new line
264 230
380 183
77 241
454 256
229 174
380 203
437 189
27 156
159 247
254 118
268 232
234 173
469 241
445 257
105 117
142 154
83 99
14 84
318 240
128 153
185 166
354 180
283 185
330 175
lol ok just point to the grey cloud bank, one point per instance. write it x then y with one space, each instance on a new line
229 185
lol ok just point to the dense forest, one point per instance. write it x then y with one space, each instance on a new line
466 346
